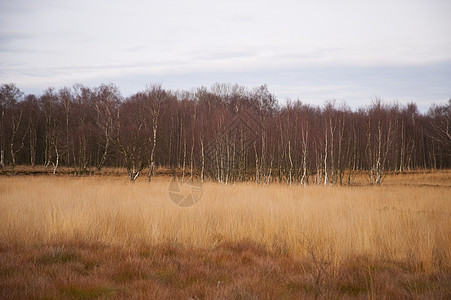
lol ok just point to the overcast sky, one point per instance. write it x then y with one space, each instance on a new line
351 51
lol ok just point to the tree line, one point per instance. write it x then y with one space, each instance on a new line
226 133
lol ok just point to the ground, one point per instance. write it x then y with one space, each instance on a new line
66 237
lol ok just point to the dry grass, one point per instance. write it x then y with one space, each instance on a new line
91 237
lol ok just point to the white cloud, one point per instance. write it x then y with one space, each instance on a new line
51 42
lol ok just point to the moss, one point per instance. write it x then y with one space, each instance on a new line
352 289
126 276
6 273
296 286
87 293
167 275
55 257
146 254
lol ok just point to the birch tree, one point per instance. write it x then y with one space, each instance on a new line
131 136
32 116
106 103
154 98
10 95
379 138
83 110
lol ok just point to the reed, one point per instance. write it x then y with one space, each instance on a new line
95 237
393 222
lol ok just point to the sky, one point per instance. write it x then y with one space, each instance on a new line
314 51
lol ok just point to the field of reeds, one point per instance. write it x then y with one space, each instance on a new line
105 237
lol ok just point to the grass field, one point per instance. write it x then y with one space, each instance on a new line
104 237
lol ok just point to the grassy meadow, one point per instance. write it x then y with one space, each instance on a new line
65 237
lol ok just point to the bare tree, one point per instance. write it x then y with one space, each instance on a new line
304 143
32 114
441 123
341 156
194 132
131 136
9 96
51 108
326 152
83 110
154 98
17 138
106 102
380 137
66 99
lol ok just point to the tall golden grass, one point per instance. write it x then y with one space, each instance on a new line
401 221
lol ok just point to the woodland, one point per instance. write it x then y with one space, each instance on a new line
226 133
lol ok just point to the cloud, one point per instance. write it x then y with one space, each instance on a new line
9 37
314 50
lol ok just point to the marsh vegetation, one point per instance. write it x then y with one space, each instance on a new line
90 237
